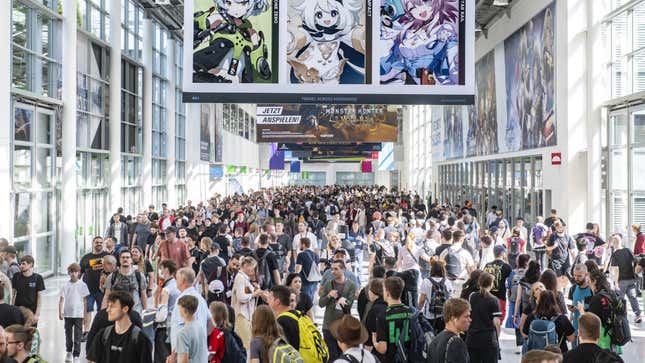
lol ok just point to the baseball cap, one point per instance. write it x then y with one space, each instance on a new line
10 249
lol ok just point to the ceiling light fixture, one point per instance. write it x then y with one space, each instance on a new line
500 3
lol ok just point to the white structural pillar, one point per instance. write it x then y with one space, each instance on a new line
5 131
196 188
115 106
148 39
68 213
171 177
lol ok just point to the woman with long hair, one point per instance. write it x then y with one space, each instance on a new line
265 331
143 266
600 304
550 281
304 303
547 309
482 338
471 285
431 287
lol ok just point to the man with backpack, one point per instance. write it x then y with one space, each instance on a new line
13 266
538 233
281 244
128 280
337 297
622 264
500 271
398 331
588 349
560 247
458 261
268 273
299 331
123 341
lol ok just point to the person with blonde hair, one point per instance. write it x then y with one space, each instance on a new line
244 299
448 346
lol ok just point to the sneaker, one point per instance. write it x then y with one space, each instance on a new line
68 357
638 320
84 337
518 350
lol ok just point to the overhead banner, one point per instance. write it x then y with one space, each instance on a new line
327 123
205 134
329 51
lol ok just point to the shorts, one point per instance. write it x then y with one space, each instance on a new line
560 268
94 299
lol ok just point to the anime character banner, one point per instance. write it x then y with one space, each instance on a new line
327 42
329 51
294 123
481 137
234 41
422 42
530 84
453 132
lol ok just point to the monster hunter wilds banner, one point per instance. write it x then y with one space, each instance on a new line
327 123
330 51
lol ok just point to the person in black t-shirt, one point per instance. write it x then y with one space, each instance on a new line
446 242
375 294
264 252
91 269
622 266
547 309
500 270
28 286
9 314
101 321
225 245
448 346
390 325
124 341
588 349
482 338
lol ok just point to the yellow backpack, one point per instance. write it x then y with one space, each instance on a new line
312 345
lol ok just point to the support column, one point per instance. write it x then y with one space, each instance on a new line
148 39
5 132
68 180
114 183
171 177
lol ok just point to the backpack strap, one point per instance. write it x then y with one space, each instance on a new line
351 359
106 334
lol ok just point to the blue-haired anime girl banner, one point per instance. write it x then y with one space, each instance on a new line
330 51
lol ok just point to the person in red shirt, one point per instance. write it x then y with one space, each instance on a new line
639 245
174 249
166 220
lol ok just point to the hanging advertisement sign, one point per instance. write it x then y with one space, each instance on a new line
205 134
329 51
295 123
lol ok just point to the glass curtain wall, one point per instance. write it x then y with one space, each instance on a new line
237 121
180 128
317 178
514 185
354 178
131 107
420 169
36 76
93 17
159 114
92 121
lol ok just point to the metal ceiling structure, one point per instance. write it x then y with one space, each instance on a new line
488 11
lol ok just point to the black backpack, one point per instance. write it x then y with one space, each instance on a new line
119 287
453 263
438 297
264 274
605 356
514 249
234 350
618 324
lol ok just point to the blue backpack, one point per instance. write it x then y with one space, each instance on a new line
542 333
234 350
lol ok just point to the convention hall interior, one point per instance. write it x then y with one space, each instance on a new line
515 110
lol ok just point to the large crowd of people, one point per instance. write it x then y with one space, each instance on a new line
238 278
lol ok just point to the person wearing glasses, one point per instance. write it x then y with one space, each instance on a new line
18 344
129 280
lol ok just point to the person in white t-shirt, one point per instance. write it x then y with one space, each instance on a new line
303 233
71 308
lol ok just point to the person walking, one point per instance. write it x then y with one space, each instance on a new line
391 325
622 264
19 339
122 342
244 299
174 249
191 339
447 346
129 280
588 349
91 270
548 309
580 292
165 295
500 270
482 339
337 298
28 287
265 330
307 266
435 290
71 306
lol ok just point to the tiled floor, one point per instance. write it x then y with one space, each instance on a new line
53 338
